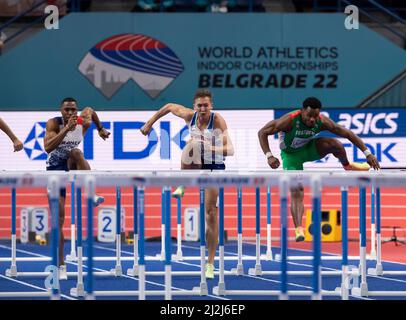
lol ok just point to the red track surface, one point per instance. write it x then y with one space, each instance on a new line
393 208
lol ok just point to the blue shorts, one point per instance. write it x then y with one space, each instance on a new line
61 167
213 166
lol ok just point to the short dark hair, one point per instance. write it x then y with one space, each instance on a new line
312 102
68 99
202 93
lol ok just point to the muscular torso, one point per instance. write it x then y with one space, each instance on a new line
299 135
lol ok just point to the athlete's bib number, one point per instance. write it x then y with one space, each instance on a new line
299 142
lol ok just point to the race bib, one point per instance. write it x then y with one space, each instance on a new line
299 142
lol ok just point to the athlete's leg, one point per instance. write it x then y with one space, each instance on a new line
295 162
326 146
62 197
191 159
297 210
212 231
297 207
77 161
61 258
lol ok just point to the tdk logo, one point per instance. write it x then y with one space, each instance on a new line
165 137
383 151
370 123
34 143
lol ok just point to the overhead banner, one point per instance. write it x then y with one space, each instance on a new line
138 61
128 149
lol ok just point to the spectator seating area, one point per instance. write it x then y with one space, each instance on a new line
199 6
13 7
396 6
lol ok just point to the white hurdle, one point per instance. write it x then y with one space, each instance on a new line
283 293
53 184
138 268
12 271
72 256
268 256
371 256
378 270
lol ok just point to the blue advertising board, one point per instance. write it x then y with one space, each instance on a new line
130 61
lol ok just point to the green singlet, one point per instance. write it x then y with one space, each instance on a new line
298 145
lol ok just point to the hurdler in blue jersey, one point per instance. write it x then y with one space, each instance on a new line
209 144
62 137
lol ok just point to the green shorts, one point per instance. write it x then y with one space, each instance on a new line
295 160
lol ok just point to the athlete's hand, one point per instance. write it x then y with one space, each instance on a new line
373 162
146 128
273 162
103 133
18 145
72 122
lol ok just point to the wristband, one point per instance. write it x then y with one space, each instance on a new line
269 154
367 152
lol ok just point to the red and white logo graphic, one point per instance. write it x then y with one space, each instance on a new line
115 60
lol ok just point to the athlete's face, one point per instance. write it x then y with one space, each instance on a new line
203 106
68 109
310 116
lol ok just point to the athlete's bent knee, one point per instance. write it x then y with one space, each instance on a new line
211 216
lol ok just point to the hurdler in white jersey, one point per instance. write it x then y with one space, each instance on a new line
210 137
206 149
59 156
62 137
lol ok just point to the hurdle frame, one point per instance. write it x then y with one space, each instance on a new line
203 180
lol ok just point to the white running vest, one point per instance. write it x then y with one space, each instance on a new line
210 135
72 139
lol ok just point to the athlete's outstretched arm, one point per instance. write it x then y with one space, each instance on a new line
272 127
18 145
176 109
343 132
227 149
89 116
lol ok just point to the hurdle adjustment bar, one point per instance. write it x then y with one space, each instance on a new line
12 271
268 256
72 256
257 270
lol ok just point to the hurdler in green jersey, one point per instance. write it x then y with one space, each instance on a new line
299 143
